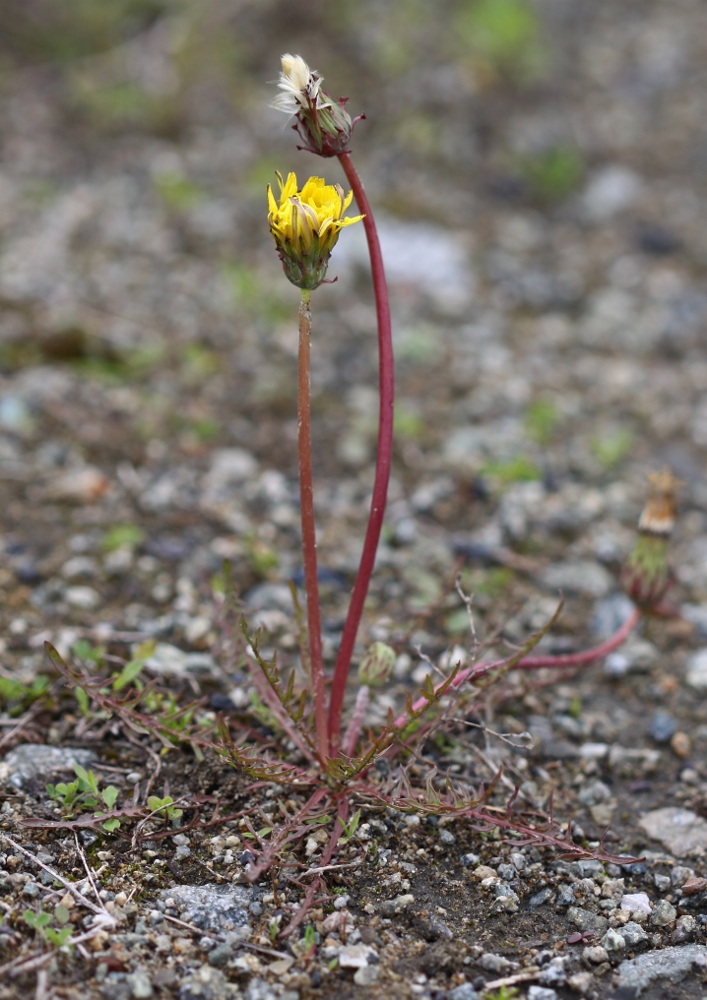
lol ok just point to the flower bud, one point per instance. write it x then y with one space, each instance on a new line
323 124
377 665
647 574
306 225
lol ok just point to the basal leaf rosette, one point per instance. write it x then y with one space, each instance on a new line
306 225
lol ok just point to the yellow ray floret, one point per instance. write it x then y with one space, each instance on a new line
315 211
306 225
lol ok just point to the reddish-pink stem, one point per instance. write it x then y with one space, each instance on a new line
383 458
309 538
537 662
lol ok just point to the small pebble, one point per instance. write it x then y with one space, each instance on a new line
680 745
662 727
664 914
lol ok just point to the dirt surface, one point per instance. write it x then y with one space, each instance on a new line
541 190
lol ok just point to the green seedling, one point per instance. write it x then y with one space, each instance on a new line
16 697
349 829
165 805
84 795
611 448
122 536
309 940
178 193
262 557
541 421
504 37
41 923
132 670
553 174
504 993
518 469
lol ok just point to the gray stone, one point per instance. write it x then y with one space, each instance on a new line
580 577
662 727
168 659
540 898
222 909
356 956
581 982
636 902
258 989
555 972
83 597
140 985
113 989
664 914
418 255
594 792
496 963
610 614
206 983
219 955
613 940
611 190
464 992
366 976
633 934
685 929
566 896
585 920
696 675
36 760
595 955
680 875
673 964
390 907
680 831
541 993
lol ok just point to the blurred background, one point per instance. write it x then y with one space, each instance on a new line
539 171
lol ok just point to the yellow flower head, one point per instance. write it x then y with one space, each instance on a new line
306 225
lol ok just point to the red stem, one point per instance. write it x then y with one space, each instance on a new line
538 662
383 458
309 538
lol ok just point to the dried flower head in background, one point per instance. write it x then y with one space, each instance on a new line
647 575
323 124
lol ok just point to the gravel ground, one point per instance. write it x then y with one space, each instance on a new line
543 222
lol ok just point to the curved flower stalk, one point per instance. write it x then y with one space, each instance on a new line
305 226
325 127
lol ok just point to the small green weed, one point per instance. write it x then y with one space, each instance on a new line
85 795
504 993
42 923
611 448
122 536
541 420
553 174
518 469
166 805
349 829
504 36
16 697
178 192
